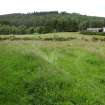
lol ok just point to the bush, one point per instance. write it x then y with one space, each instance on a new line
44 29
59 39
7 30
92 33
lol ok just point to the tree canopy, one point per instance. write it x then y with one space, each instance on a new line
45 22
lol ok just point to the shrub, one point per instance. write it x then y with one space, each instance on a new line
92 33
95 39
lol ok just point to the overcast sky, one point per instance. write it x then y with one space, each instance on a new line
88 7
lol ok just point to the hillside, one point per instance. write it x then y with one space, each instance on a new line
45 22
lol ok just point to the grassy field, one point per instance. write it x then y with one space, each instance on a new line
52 72
63 36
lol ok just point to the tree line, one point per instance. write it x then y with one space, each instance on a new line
46 22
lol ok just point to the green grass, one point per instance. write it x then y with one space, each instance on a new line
61 36
52 72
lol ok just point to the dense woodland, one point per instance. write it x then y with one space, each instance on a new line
46 22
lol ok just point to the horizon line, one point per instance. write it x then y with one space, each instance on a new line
49 11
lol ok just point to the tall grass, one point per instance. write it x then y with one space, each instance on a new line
50 76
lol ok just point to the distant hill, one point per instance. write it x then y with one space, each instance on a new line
50 21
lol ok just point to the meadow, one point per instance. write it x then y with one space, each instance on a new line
52 69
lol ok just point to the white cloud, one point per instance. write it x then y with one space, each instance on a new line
89 7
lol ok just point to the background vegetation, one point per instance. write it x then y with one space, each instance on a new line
45 22
92 33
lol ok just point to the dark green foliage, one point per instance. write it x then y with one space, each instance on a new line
93 33
30 30
44 29
47 22
59 39
6 30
